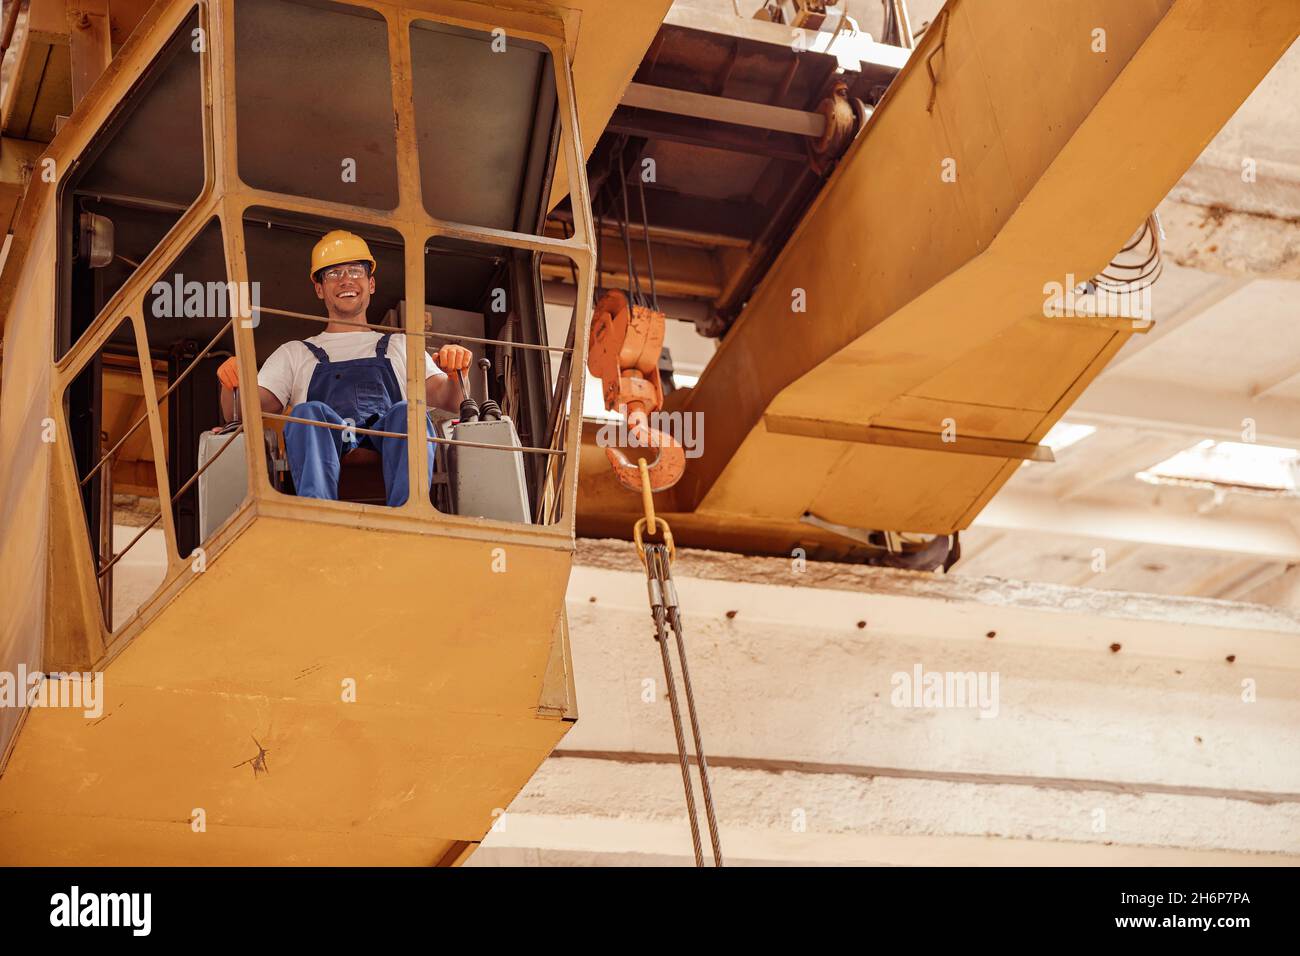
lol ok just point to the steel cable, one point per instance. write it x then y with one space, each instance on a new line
664 610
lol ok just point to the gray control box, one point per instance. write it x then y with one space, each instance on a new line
486 483
224 485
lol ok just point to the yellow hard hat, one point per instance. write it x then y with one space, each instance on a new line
340 246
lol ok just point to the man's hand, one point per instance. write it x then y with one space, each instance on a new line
454 358
446 392
228 373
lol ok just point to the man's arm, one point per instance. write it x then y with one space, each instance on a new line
269 402
276 369
442 391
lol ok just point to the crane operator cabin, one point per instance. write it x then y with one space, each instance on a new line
226 202
379 375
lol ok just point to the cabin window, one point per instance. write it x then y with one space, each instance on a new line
486 291
314 102
189 315
106 413
279 245
487 124
132 185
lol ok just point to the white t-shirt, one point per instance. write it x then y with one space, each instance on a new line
288 371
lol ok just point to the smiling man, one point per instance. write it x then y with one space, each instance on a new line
347 375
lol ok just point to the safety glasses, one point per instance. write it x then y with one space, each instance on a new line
341 272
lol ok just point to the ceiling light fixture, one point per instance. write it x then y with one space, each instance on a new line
1235 466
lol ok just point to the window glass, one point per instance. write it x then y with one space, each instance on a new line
314 101
485 110
132 185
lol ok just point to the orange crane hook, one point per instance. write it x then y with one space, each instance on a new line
624 353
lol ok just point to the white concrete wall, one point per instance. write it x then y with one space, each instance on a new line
1149 753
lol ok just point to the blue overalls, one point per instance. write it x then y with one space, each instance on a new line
366 391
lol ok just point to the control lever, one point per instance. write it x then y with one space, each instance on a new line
229 424
468 407
491 410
